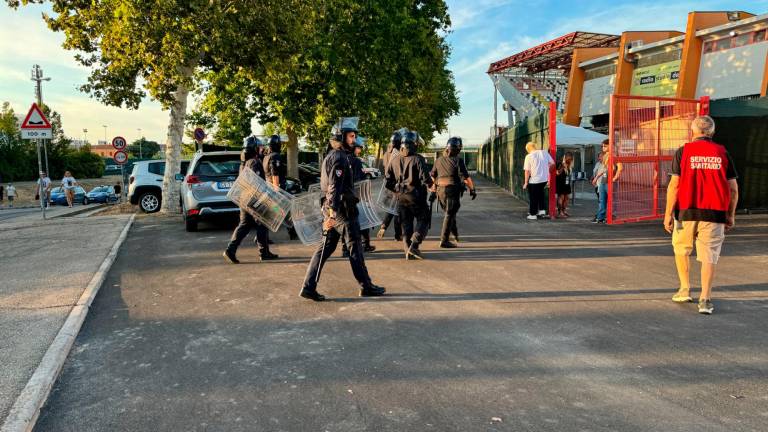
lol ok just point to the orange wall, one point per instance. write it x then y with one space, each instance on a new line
625 69
576 82
691 57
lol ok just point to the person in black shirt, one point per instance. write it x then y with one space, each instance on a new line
450 175
340 214
407 176
393 149
249 159
359 175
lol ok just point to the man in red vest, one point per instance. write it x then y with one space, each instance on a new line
701 206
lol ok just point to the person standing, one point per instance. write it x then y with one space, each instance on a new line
11 192
449 176
68 183
276 171
407 176
249 159
563 181
393 149
44 187
359 175
340 214
600 181
701 206
118 191
537 166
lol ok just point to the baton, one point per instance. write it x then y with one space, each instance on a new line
322 253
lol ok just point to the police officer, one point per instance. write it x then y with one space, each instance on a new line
340 210
407 175
359 175
450 175
276 171
393 149
250 159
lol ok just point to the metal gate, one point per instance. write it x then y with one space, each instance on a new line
644 134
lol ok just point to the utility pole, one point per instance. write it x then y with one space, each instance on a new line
37 77
85 136
105 133
139 138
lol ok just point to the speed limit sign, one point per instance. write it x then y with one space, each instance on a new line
119 143
120 157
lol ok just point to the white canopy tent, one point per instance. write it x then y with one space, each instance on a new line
577 139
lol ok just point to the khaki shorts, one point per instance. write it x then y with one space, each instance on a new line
708 237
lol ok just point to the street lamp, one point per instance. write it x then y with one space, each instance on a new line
105 133
140 153
85 136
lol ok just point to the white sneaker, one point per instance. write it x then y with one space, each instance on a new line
532 217
542 212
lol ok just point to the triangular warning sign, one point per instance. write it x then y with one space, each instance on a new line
35 119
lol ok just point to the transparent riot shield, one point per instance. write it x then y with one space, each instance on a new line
267 204
307 215
387 200
314 188
369 211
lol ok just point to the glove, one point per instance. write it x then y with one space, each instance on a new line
432 197
473 194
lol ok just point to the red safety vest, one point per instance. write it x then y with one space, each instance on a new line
703 192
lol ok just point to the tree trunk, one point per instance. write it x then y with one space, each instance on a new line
292 153
378 157
170 200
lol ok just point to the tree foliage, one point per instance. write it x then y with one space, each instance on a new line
143 148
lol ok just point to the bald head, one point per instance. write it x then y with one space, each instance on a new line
530 147
703 126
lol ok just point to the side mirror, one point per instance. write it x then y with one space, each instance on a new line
179 177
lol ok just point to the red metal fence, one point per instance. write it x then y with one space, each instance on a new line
644 134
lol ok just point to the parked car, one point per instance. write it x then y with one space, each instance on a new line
59 198
145 185
308 176
204 189
102 194
370 173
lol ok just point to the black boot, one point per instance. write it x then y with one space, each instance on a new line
312 295
268 256
372 290
447 245
230 255
413 252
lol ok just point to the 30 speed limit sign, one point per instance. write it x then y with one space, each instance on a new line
119 143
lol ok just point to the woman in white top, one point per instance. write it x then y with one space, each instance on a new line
68 183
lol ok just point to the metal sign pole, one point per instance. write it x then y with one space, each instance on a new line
40 181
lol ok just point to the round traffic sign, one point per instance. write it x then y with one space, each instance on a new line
120 157
119 143
199 134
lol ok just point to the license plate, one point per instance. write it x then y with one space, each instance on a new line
224 185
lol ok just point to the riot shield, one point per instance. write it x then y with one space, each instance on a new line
307 215
366 207
267 203
387 200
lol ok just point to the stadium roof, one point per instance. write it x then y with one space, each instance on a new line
553 54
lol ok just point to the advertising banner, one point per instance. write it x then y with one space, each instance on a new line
658 80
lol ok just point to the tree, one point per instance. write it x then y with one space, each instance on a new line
15 154
143 148
158 47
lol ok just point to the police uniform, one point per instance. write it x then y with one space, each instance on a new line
247 222
359 175
337 185
449 173
391 152
407 176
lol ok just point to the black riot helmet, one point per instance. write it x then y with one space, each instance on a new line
410 145
453 146
396 141
251 148
274 144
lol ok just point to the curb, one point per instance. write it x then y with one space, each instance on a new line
23 415
78 211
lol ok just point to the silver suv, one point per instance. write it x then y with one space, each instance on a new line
145 186
204 189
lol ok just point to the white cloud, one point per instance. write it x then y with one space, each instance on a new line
464 14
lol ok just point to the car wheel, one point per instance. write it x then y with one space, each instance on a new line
190 224
149 202
369 177
85 201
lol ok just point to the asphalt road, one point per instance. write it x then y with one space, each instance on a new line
529 326
44 268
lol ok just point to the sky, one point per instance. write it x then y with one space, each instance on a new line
483 31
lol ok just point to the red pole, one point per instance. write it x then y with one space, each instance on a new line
657 163
553 153
611 145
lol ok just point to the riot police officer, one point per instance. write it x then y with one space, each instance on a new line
407 175
393 149
249 159
340 211
359 175
276 172
450 175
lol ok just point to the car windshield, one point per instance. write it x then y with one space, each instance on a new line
100 189
218 165
56 190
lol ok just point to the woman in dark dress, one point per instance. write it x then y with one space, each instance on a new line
563 183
